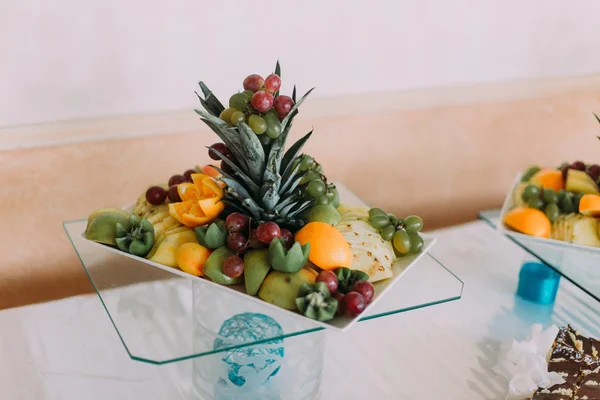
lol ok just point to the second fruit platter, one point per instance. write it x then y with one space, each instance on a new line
560 203
263 220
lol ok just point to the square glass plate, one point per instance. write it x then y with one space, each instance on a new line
164 315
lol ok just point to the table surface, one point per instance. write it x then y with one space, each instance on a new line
69 350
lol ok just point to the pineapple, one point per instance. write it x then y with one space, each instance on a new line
264 182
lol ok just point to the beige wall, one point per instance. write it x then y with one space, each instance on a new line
67 59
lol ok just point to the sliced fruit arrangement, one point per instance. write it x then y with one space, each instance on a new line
265 219
558 203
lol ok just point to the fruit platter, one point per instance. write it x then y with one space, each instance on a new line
264 222
558 205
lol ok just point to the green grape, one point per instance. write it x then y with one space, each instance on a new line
273 125
265 140
416 243
387 233
237 117
402 242
530 192
536 203
226 114
379 221
413 224
257 124
319 168
393 218
310 176
322 200
552 212
376 211
576 199
550 196
561 195
316 188
566 205
239 101
306 162
248 93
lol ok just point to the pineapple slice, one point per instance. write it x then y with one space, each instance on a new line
580 181
576 228
370 253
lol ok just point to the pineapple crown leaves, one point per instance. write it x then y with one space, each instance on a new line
261 180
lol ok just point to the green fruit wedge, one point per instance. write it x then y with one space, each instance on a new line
103 227
214 267
323 213
256 268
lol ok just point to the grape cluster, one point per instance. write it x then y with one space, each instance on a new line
592 170
552 203
404 233
259 105
157 195
351 302
241 237
314 183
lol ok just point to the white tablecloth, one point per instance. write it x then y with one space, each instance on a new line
68 349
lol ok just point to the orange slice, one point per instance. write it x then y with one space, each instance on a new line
549 178
328 248
176 210
210 171
211 207
590 205
210 187
188 192
529 221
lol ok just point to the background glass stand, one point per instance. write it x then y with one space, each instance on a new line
578 265
239 349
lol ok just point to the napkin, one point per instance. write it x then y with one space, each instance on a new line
524 364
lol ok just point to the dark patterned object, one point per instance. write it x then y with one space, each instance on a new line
577 359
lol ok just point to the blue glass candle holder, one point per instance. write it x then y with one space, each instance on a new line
538 283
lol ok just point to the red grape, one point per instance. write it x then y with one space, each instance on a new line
339 296
287 238
253 241
236 222
273 83
221 148
353 304
283 105
594 171
253 82
226 168
328 278
236 242
365 288
174 194
177 179
156 195
188 174
267 232
233 266
578 165
262 101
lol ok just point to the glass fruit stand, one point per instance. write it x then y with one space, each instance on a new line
239 349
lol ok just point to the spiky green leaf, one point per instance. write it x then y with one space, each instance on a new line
293 151
290 182
210 101
254 152
289 200
248 182
228 135
299 209
278 69
288 119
